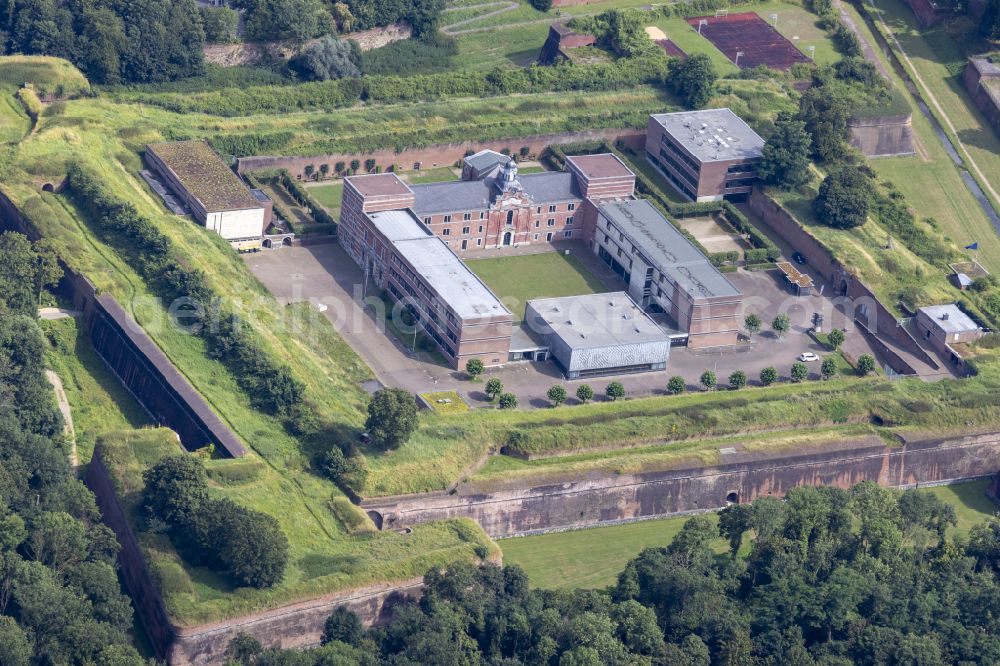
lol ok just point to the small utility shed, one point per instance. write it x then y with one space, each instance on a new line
214 193
946 324
598 334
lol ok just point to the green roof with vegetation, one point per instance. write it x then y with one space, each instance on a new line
205 176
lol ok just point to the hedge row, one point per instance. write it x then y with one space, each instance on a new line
304 198
258 179
327 95
295 189
269 386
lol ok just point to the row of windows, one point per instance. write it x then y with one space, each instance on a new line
672 178
745 182
551 222
679 153
741 168
568 233
510 214
688 178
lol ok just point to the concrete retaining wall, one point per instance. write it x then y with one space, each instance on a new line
433 156
882 136
743 476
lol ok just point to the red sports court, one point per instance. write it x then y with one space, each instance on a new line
754 38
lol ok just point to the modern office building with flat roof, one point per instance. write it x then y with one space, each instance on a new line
454 307
598 334
666 273
706 155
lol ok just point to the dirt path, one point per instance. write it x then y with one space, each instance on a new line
504 8
63 403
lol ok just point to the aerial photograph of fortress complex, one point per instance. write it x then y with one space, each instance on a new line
499 332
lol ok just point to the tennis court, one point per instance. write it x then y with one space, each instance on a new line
754 39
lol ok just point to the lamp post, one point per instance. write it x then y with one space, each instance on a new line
701 23
738 54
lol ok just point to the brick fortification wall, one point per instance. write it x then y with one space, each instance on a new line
868 310
741 476
882 136
982 80
136 360
434 156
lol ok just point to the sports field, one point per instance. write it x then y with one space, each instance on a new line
748 40
518 279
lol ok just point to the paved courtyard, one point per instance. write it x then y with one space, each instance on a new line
712 235
326 276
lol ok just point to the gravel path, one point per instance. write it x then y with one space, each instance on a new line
63 403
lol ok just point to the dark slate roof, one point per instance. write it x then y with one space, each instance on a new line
485 160
463 195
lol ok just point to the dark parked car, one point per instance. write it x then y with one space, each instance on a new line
799 259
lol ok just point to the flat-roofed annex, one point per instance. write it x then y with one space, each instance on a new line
595 320
604 165
712 135
379 185
442 270
205 176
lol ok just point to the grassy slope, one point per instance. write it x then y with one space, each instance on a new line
592 558
331 370
931 178
98 401
45 74
937 56
518 279
14 124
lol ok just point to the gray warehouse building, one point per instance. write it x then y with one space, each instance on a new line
598 334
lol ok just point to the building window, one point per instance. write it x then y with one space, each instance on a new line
552 208
479 241
446 232
465 231
539 209
571 206
427 220
569 220
467 216
548 236
568 233
510 217
465 244
537 223
536 236
447 218
551 222
482 215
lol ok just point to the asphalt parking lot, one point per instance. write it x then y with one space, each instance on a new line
327 277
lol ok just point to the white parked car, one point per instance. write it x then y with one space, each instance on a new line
806 357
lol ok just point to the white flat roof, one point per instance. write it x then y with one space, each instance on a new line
438 266
712 135
596 320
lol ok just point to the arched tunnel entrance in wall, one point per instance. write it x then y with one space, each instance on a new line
376 518
733 498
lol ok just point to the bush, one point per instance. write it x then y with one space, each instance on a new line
557 394
541 5
676 385
738 379
343 625
768 376
709 380
327 58
494 387
866 364
692 79
508 401
800 372
474 367
615 390
584 393
220 24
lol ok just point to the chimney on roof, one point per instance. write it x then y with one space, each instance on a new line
944 317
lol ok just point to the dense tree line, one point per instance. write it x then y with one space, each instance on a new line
830 578
270 386
246 545
111 41
60 601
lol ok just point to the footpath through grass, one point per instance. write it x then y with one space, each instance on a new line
592 558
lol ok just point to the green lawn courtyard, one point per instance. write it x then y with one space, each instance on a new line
592 558
519 279
329 196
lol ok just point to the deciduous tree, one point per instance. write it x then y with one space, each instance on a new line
392 417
